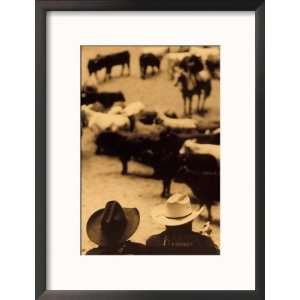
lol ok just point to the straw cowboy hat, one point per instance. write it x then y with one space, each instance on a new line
113 224
177 210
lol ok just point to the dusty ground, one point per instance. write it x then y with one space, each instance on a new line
101 178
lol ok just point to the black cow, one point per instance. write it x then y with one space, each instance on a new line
146 60
107 62
202 175
96 64
158 151
213 67
107 99
148 117
170 161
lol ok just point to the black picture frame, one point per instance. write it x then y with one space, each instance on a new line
42 7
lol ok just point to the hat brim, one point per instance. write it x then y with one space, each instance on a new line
158 214
96 235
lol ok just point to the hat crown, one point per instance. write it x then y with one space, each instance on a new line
178 206
114 221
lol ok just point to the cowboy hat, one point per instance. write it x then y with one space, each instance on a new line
112 224
177 210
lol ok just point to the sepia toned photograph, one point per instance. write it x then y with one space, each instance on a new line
150 150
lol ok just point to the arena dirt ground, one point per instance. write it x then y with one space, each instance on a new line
101 178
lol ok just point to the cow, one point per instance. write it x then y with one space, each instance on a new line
193 147
200 171
158 150
213 66
176 123
107 99
132 109
148 117
100 122
107 62
146 60
168 157
192 136
203 181
201 174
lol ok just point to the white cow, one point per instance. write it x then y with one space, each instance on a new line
100 122
130 110
180 123
210 53
133 109
192 147
116 110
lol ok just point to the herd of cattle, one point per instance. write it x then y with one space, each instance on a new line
180 149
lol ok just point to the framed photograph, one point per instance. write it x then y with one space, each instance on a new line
150 150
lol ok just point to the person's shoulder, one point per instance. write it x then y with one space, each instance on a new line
134 248
95 251
135 244
155 240
205 243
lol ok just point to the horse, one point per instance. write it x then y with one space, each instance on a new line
191 64
194 84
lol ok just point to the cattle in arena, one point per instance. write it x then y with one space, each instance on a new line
203 80
212 137
149 60
193 147
171 114
176 123
100 122
158 150
204 180
171 160
107 99
198 84
152 145
200 170
132 109
107 62
213 66
195 137
148 116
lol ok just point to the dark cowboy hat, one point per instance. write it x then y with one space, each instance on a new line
113 224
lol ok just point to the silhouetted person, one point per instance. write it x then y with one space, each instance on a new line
177 214
111 227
